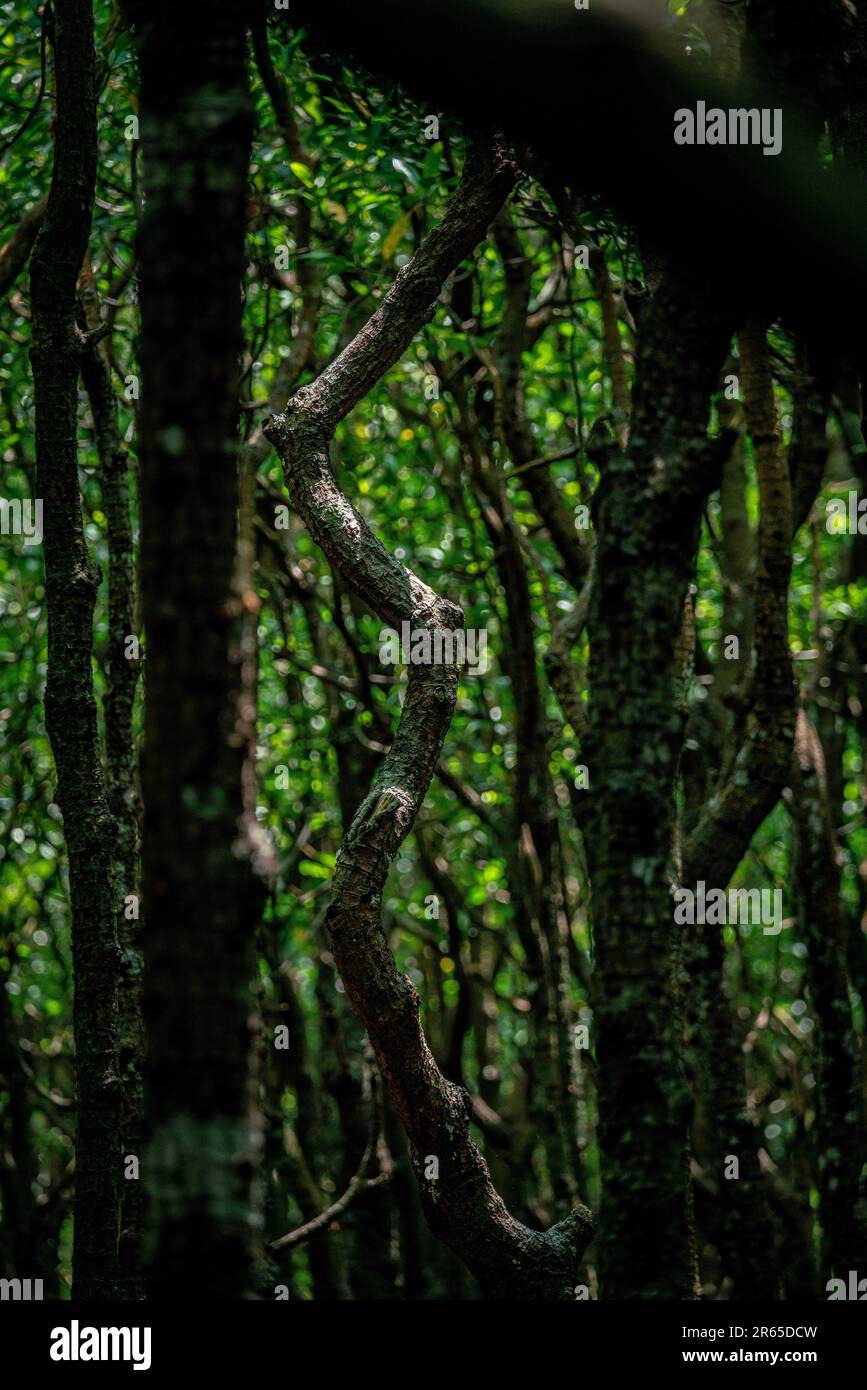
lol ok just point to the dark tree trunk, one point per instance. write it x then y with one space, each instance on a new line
122 779
202 897
70 709
756 759
841 1149
646 523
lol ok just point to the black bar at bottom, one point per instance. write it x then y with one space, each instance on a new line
61 1339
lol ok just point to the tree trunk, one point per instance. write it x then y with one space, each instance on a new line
202 896
646 518
72 581
122 778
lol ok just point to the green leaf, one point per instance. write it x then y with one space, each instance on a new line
311 868
395 237
302 172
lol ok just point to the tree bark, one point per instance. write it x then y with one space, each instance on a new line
839 1126
71 581
202 895
460 1203
646 518
750 784
122 777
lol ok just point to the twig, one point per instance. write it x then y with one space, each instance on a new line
540 462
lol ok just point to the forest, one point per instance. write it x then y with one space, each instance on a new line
433 657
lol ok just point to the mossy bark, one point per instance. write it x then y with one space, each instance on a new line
646 517
71 582
122 779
